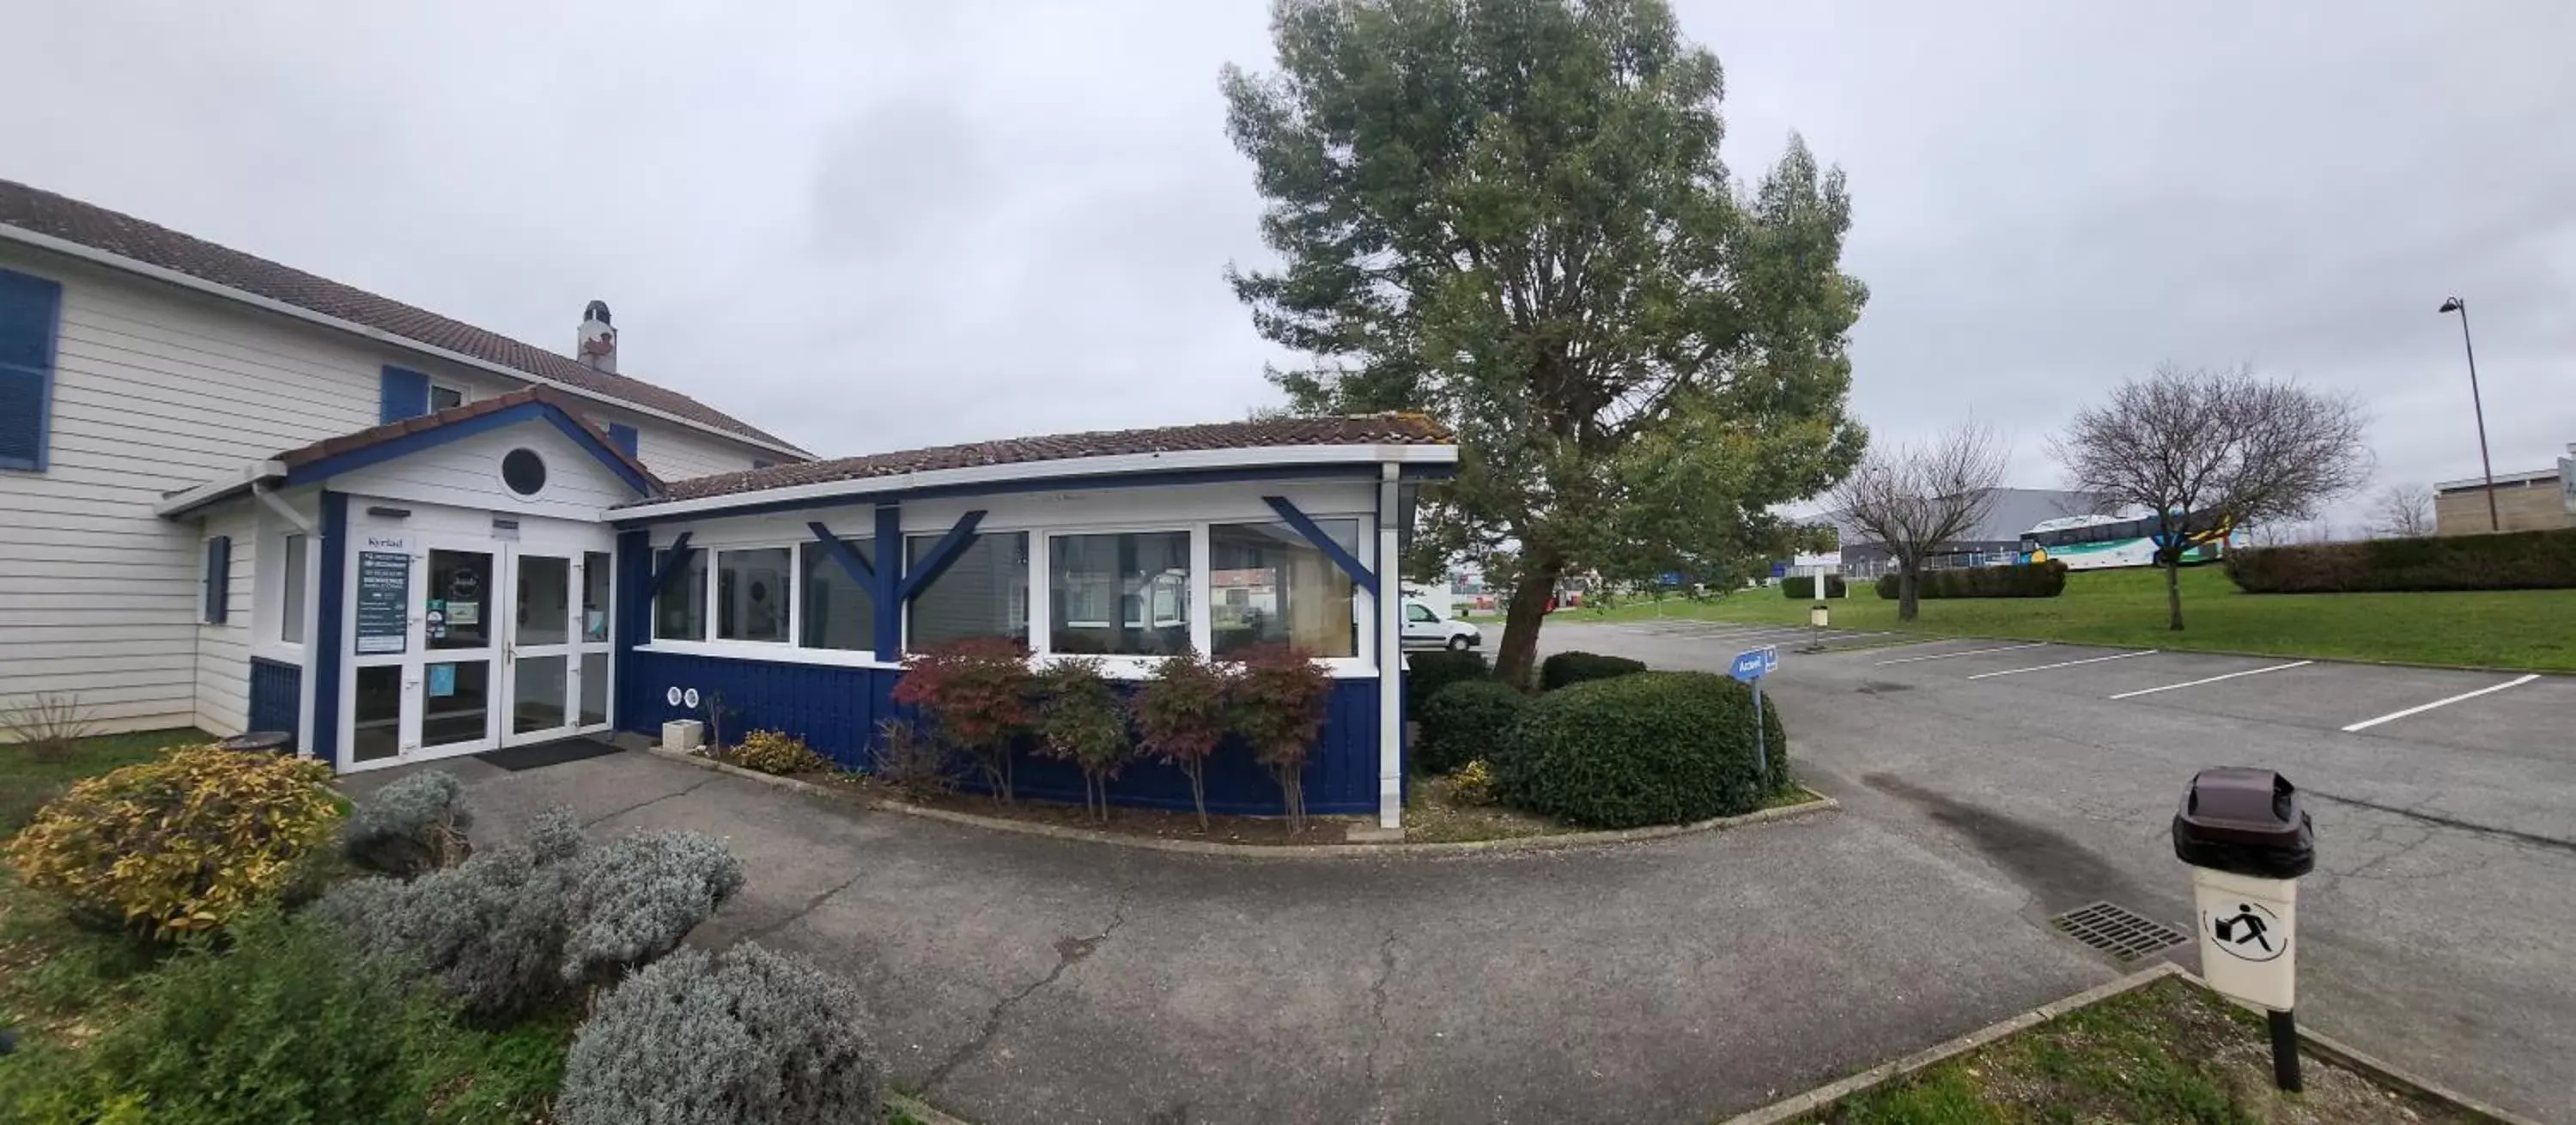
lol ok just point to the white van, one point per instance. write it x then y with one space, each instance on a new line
1427 626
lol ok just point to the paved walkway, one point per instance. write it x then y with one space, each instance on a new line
2439 929
1026 980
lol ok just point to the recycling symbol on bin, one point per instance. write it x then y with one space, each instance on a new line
2249 933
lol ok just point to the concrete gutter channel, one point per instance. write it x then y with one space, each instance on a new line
1821 1100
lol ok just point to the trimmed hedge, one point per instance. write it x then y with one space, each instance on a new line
1425 673
1566 669
1649 748
1802 587
2021 580
1465 721
2513 560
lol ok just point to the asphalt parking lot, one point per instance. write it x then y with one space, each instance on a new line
2440 925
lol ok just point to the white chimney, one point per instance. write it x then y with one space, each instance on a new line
598 345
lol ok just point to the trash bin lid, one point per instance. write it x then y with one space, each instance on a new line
2246 821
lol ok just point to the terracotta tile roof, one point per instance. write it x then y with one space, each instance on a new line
372 435
98 228
1362 429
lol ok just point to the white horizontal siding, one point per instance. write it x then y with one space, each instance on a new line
223 651
157 390
467 473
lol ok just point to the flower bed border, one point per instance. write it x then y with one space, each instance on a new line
1819 804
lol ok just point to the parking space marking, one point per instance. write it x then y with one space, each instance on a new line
2210 680
1970 652
2064 664
2420 708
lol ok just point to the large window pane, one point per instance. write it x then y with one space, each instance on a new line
751 594
456 702
1126 594
545 600
838 611
594 688
1268 585
597 571
375 728
680 607
290 603
460 596
985 593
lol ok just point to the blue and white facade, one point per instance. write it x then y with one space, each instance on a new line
791 607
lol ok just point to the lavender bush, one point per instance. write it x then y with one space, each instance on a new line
743 1037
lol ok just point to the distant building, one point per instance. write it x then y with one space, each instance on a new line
2534 501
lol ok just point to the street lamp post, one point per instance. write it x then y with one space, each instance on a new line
2456 305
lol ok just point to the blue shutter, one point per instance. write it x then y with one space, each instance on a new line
405 395
219 578
622 436
29 308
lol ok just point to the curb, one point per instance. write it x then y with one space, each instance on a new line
922 1111
1928 638
1821 805
1822 1098
1827 1096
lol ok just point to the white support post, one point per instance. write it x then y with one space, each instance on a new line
1390 656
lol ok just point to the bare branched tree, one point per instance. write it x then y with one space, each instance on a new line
2403 511
1914 499
2209 451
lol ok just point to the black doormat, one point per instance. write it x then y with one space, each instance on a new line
546 753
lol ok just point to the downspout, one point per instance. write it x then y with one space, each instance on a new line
1390 654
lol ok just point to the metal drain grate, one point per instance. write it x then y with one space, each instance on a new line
2118 930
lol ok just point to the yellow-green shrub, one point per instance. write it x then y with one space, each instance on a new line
772 751
181 844
1473 783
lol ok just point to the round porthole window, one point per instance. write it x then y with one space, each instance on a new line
523 471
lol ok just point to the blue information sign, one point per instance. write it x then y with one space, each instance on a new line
1755 663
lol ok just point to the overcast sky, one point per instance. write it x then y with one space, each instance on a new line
885 224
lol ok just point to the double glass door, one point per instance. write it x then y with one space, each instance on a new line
509 644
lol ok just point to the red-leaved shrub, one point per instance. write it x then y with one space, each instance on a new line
1278 702
1180 712
980 698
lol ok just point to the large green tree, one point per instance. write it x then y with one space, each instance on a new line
1512 215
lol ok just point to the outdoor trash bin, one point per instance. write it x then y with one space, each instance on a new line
2247 841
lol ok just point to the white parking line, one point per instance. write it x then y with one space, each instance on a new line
2063 664
2210 680
2420 708
1970 652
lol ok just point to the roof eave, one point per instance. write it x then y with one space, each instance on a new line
1287 458
192 282
181 503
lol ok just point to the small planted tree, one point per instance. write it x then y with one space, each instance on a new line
979 697
1914 500
1181 713
1079 721
2209 451
1278 703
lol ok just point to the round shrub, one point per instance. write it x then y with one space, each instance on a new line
410 826
1425 673
182 844
1650 748
1566 669
1465 721
776 752
745 1036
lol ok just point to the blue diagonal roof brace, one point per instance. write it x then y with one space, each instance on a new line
1314 534
852 562
677 557
941 554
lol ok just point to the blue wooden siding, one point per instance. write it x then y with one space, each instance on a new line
276 694
836 710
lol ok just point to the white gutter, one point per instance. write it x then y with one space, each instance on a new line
190 281
1259 457
248 476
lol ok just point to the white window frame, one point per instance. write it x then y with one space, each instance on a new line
1040 609
715 598
435 386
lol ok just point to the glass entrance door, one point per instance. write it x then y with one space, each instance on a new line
462 638
541 651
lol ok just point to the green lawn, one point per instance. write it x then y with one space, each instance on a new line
29 779
2533 629
2166 1052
